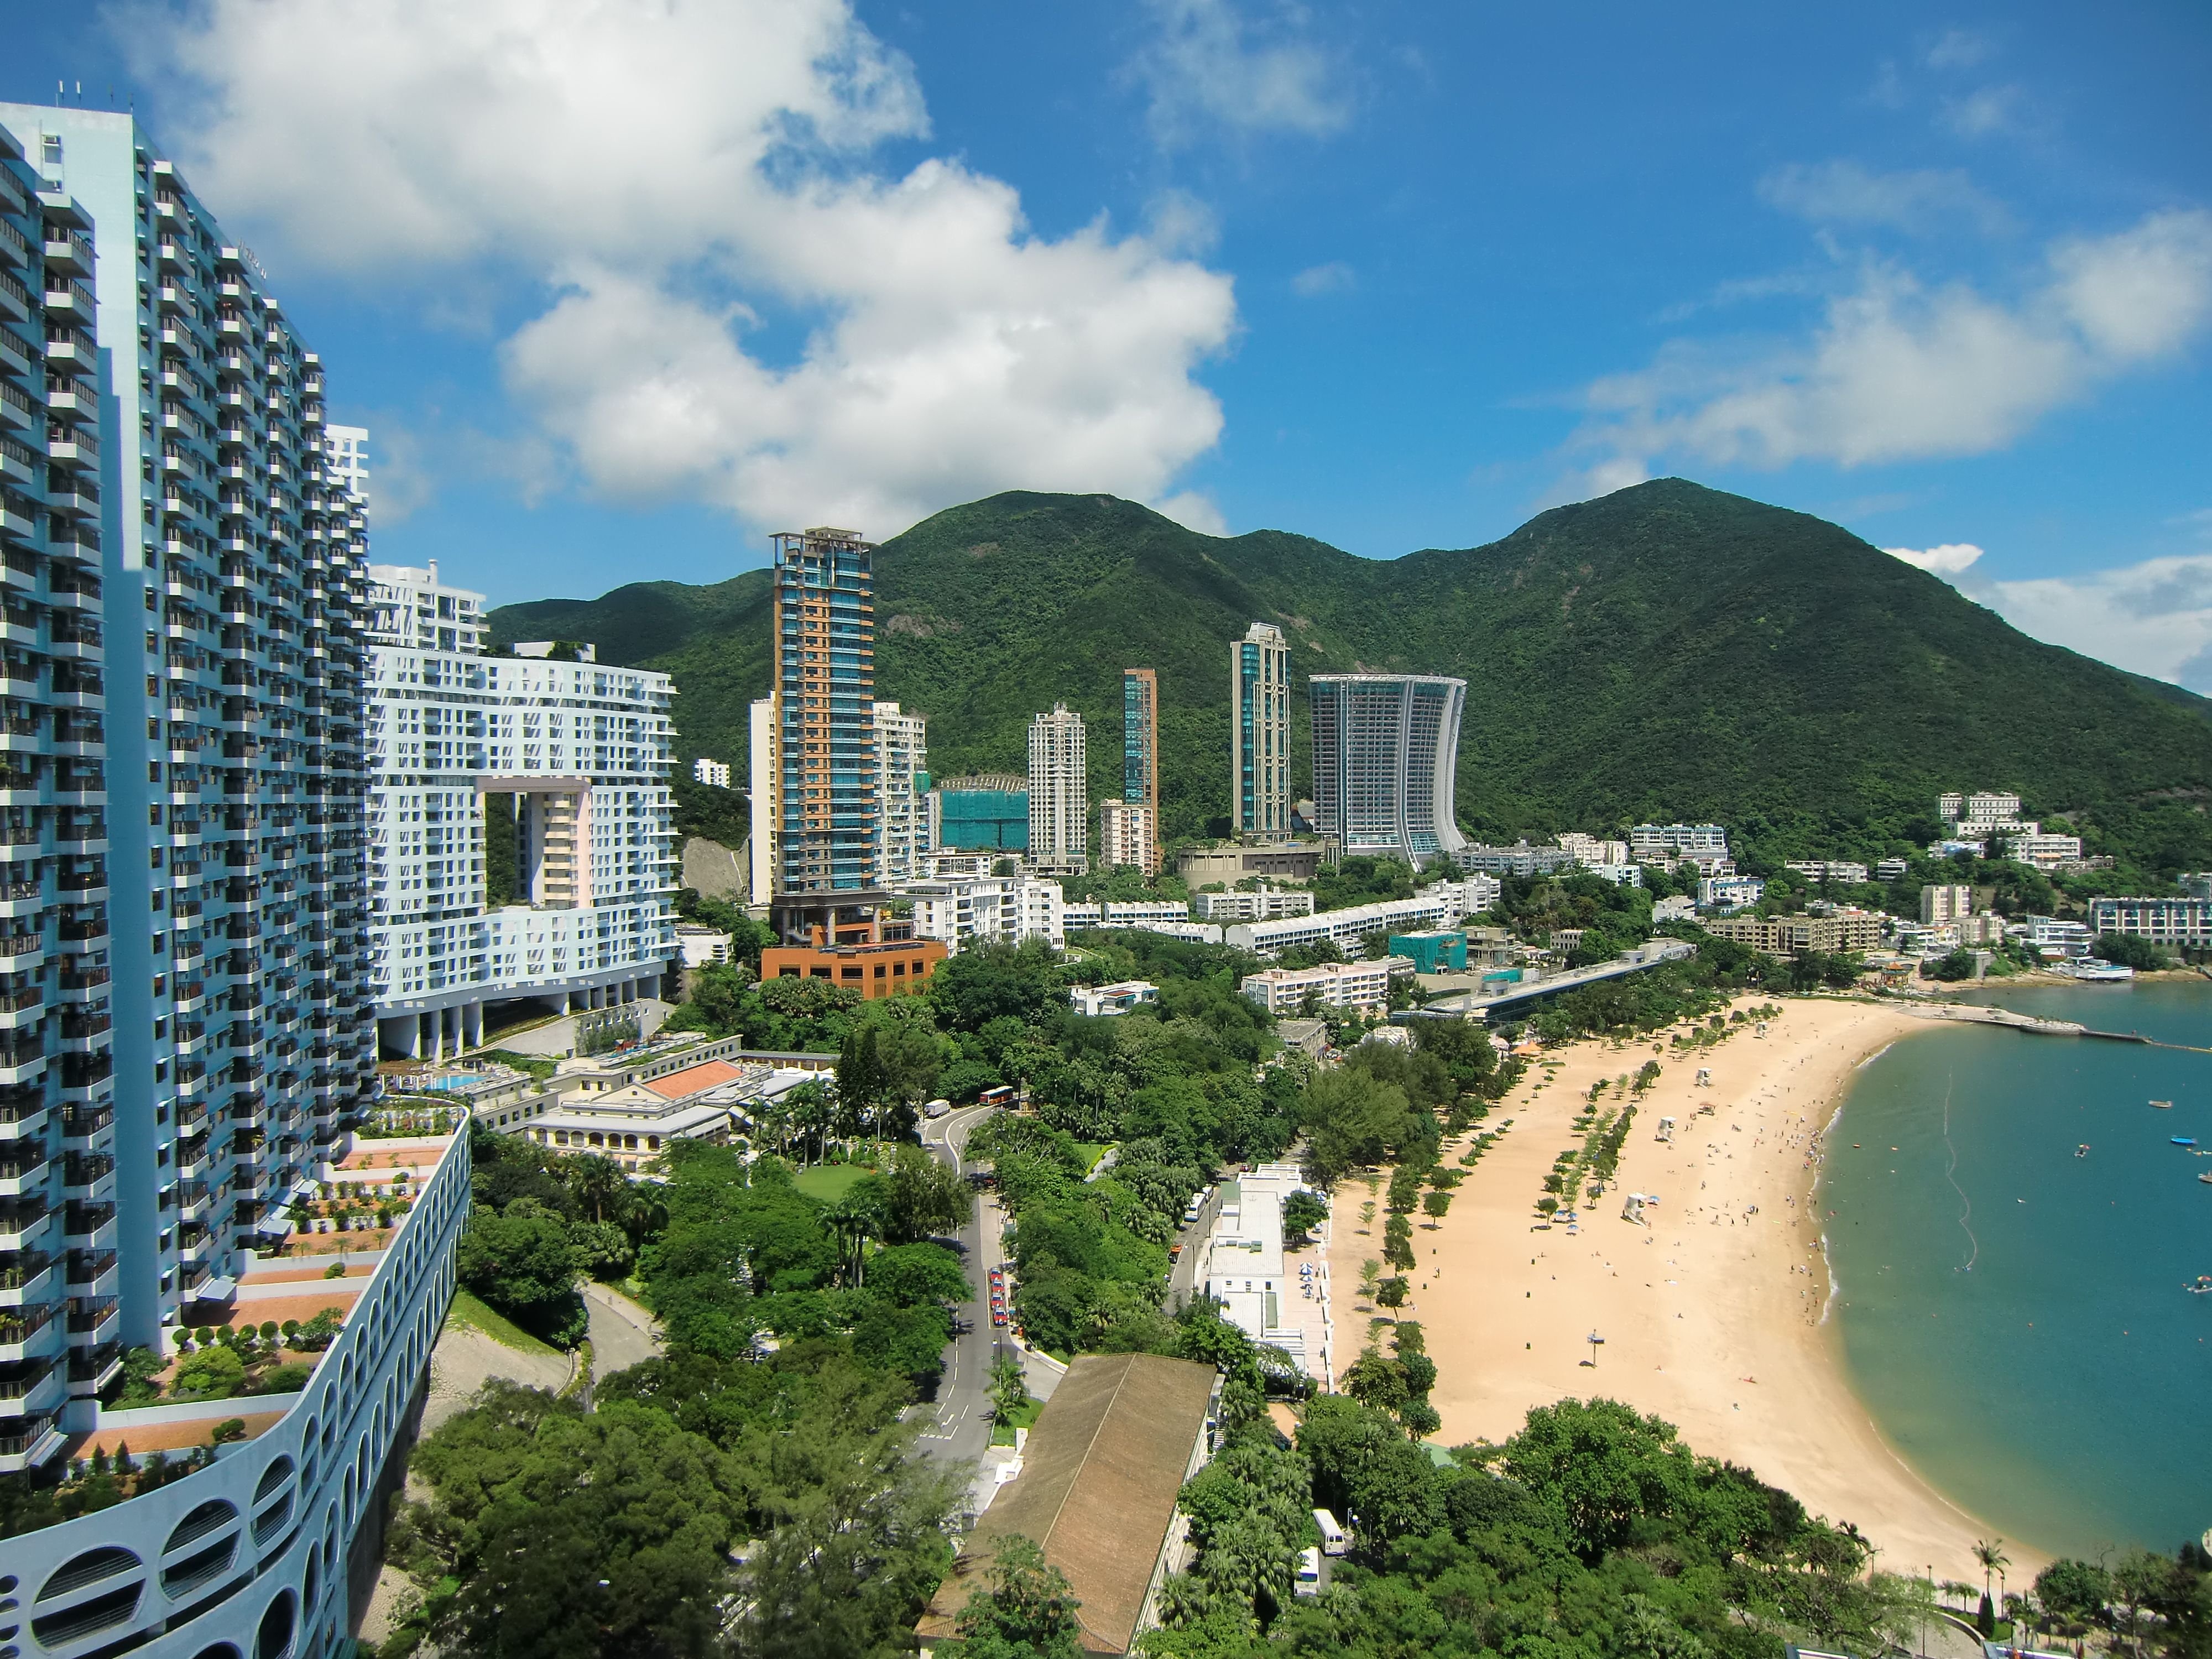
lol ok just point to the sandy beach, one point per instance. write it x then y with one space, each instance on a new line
1710 1314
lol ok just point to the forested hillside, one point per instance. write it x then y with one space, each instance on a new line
1665 651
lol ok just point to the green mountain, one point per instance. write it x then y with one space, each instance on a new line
1668 650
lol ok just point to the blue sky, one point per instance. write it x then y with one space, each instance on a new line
621 285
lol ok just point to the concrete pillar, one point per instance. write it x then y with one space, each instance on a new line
422 1038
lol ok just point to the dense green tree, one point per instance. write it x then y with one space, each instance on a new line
1023 1610
1352 1120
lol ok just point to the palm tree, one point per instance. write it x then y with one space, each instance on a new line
1990 1551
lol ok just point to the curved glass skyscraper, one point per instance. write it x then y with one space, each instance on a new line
1386 761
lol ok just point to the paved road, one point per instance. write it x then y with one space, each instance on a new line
1183 1277
622 1332
959 1424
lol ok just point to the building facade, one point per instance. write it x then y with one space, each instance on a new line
1140 766
2183 923
1266 904
902 794
1128 835
960 911
1941 902
1386 763
582 750
987 813
1060 791
1438 905
1665 843
1259 733
1362 985
714 774
215 1026
826 811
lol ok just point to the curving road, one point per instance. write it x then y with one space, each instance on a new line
958 1425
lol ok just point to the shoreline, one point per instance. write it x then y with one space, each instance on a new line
1715 1315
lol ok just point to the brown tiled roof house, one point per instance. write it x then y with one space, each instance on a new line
1100 1473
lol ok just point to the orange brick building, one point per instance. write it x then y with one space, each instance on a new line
875 958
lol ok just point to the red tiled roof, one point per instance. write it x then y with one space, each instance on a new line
695 1079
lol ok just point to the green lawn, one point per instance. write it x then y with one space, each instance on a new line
1002 1433
830 1181
1091 1152
467 1311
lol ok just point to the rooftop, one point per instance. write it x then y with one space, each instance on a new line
1097 1489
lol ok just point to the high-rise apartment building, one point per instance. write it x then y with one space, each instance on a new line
59 1183
1386 762
1129 834
826 810
232 939
1060 791
184 1026
1259 733
901 793
1141 768
582 749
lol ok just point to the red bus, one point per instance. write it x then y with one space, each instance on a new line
1001 1095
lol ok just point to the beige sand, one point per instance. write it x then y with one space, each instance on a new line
1711 1314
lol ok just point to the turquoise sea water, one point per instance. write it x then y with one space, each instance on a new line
2013 1316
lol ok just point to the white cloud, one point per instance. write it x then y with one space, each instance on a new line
1846 193
1959 49
1210 64
1193 510
1948 560
1980 113
1898 370
1334 278
2151 618
740 310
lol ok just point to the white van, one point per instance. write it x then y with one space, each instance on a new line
1307 1584
937 1109
1334 1541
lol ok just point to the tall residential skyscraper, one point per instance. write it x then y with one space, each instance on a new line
1060 792
59 1139
1385 760
184 1026
1260 734
902 789
826 811
582 748
345 450
233 937
1141 768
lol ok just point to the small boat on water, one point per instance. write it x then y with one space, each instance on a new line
2163 1105
2202 1287
2184 1140
2082 1151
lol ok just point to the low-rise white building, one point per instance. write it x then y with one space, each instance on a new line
1123 912
2052 937
1098 1001
1620 874
1364 985
1266 904
714 774
1827 870
1729 891
960 911
1590 851
2038 848
1439 906
700 946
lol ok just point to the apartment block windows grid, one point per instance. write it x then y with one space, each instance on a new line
236 975
1386 763
1060 806
827 807
1260 763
